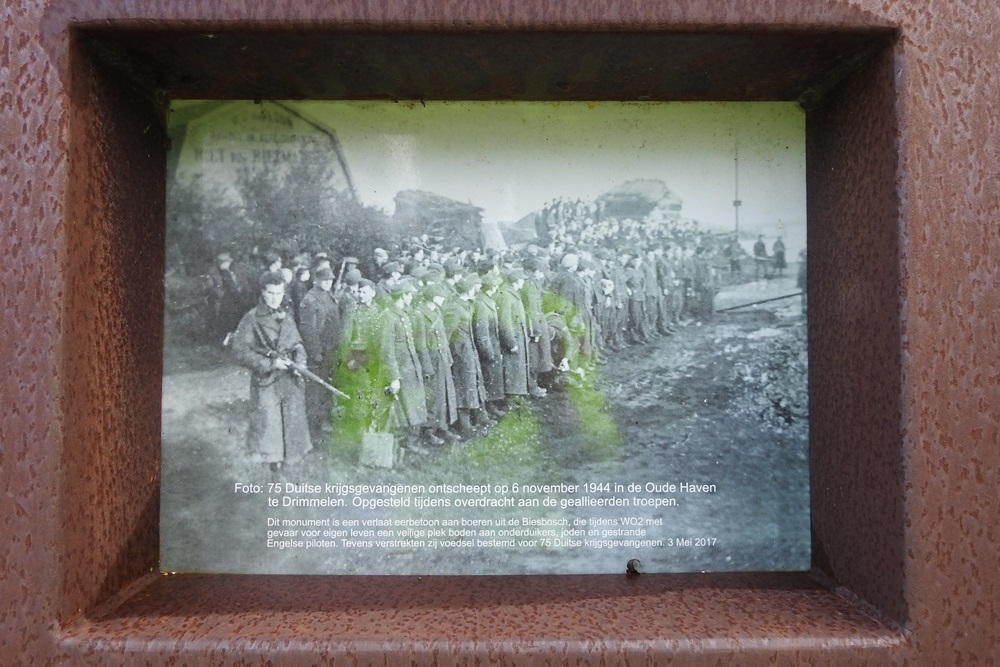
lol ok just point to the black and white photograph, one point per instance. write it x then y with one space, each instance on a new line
485 338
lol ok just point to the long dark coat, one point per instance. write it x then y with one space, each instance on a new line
638 323
619 317
278 429
434 351
654 294
574 290
467 370
486 331
358 372
665 277
320 325
539 336
592 342
513 329
399 359
228 307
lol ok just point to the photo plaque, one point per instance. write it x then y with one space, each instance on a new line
474 338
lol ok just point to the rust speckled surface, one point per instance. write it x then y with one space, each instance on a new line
902 140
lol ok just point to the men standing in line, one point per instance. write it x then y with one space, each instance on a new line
268 343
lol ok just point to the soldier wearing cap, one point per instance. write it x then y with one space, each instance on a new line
539 335
433 347
297 290
347 298
321 326
470 388
576 306
635 287
435 273
358 373
486 328
402 371
667 281
513 329
606 300
654 293
391 273
703 285
586 271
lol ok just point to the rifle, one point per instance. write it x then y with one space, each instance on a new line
340 276
301 369
308 374
754 303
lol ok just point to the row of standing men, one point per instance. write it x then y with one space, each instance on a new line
440 353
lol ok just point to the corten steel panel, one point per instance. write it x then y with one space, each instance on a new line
113 331
856 462
904 347
283 64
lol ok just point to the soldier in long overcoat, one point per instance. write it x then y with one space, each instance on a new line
568 284
592 342
654 294
512 325
320 326
539 335
268 343
358 373
399 359
666 279
635 285
486 330
704 287
467 370
433 348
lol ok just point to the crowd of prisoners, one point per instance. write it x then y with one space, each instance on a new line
437 343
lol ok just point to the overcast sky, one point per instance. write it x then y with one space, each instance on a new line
511 157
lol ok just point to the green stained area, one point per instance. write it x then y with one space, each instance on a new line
599 437
520 445
514 442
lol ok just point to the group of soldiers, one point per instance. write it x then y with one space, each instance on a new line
435 346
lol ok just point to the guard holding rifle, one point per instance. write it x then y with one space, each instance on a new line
268 343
